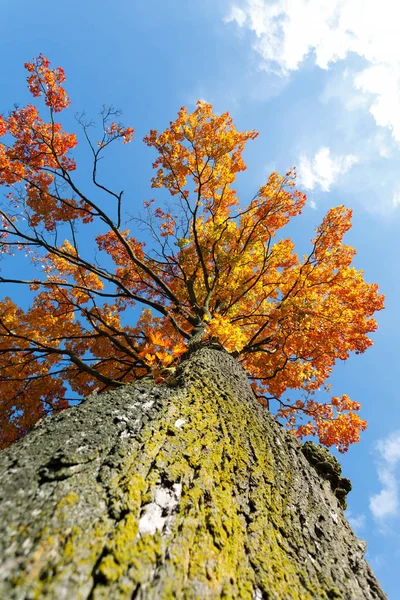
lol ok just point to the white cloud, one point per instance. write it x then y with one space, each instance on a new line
383 81
238 15
324 169
389 449
312 204
396 199
289 31
384 151
386 503
356 522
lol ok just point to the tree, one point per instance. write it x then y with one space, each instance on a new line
214 273
180 485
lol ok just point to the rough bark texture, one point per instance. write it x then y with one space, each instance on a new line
179 492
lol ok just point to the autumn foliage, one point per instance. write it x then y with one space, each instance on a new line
107 312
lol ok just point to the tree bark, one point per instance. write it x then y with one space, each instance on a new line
180 491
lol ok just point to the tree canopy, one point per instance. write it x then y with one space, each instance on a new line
206 265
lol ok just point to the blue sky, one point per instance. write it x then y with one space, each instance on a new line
320 81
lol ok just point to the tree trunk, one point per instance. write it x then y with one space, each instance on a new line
180 491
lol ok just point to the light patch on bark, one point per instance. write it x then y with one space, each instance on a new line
152 520
179 423
147 405
158 515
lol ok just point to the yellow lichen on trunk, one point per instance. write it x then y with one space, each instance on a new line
208 498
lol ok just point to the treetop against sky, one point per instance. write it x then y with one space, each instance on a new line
209 264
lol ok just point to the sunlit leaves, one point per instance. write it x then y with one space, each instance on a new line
47 82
